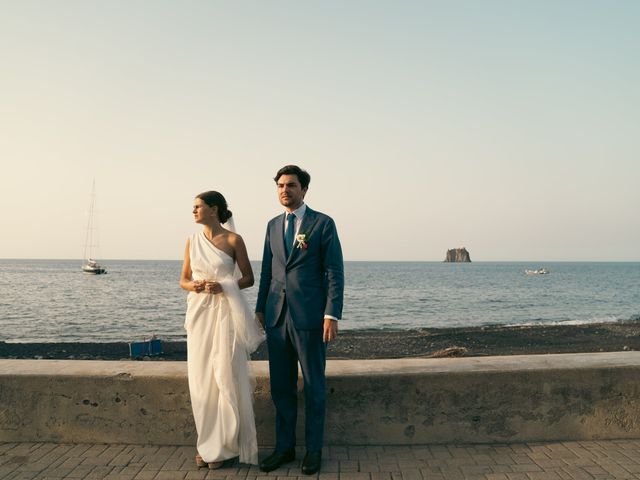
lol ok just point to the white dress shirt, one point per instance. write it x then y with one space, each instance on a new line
299 213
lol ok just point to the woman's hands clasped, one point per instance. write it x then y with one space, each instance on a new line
207 286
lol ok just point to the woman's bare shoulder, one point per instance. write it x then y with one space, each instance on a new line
234 238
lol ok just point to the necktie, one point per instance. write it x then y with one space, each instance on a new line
290 232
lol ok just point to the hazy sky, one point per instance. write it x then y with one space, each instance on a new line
511 128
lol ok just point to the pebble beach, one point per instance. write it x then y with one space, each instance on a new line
381 344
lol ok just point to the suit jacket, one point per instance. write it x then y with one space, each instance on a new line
311 280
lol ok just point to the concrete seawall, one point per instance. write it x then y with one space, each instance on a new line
409 401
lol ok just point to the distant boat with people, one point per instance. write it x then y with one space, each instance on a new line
538 271
91 265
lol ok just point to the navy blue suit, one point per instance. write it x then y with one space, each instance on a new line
295 294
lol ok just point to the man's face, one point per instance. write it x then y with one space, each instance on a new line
290 192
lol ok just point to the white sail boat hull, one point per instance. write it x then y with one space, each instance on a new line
93 268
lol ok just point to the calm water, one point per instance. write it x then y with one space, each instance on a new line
52 300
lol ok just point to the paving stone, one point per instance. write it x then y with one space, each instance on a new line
330 466
517 476
5 471
411 474
120 460
80 471
521 459
170 475
358 453
561 473
118 476
429 470
544 476
469 471
146 475
328 476
526 467
57 472
99 472
440 452
578 473
24 475
355 476
377 476
451 473
112 451
502 459
5 447
551 463
389 467
369 466
412 464
349 466
483 458
580 462
616 470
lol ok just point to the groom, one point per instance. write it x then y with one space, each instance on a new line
299 303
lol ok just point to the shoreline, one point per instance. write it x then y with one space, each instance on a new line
381 344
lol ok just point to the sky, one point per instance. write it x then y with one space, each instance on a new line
510 128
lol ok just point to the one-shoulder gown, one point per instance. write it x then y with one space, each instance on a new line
221 333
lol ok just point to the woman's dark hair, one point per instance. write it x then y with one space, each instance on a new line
213 198
303 176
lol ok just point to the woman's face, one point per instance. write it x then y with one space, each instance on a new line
203 213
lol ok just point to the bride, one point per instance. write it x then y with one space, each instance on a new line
221 333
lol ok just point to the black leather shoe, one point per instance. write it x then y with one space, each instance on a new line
276 459
311 462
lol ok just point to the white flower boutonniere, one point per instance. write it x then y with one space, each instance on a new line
301 238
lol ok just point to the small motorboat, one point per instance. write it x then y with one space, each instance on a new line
539 271
93 267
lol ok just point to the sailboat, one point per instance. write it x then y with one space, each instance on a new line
90 243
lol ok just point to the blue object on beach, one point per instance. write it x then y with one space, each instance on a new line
146 348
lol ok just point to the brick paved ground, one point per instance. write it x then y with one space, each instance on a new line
530 461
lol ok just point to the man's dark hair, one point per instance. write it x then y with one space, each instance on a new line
303 176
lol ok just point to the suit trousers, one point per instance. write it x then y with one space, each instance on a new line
288 346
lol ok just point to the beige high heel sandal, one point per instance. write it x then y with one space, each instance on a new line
200 463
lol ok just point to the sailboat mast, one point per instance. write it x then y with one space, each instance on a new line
88 241
92 266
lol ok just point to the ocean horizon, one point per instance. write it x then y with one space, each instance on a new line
51 300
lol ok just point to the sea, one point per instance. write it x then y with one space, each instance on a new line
53 301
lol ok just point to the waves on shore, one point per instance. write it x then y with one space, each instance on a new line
590 321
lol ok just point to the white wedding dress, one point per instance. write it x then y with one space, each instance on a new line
221 333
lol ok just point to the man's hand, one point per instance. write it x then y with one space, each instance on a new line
212 287
260 318
330 330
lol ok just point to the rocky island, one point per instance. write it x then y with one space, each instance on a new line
457 255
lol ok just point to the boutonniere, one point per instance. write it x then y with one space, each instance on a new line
301 238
